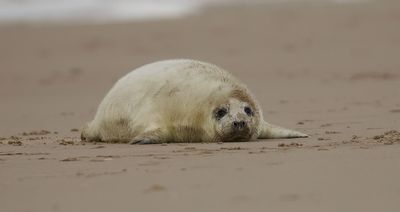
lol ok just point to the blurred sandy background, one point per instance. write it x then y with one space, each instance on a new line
330 69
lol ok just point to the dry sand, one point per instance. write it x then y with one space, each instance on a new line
332 71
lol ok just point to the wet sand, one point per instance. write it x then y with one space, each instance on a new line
329 70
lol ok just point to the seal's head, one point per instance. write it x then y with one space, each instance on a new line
235 120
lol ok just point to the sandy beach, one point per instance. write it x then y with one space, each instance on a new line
329 70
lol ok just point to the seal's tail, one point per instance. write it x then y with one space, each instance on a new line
272 131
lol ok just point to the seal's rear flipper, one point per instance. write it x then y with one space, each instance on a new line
272 131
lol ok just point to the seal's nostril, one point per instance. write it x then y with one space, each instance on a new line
239 124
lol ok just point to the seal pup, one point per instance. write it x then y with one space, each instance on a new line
180 100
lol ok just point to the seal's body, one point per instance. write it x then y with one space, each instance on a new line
180 101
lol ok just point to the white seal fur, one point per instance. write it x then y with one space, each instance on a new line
180 101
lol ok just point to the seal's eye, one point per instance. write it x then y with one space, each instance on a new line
221 113
248 111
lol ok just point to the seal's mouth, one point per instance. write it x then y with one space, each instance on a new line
238 136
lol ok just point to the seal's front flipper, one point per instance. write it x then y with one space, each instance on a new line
149 137
144 141
272 131
90 133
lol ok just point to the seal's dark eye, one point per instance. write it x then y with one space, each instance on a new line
221 113
248 111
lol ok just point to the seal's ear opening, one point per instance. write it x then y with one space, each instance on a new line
272 131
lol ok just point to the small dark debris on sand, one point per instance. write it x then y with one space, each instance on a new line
15 143
257 152
389 137
331 132
354 139
13 137
233 148
74 130
293 144
108 156
69 159
36 132
323 139
161 157
36 138
10 153
395 111
66 142
300 123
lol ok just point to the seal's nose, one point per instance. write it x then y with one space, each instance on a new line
239 125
